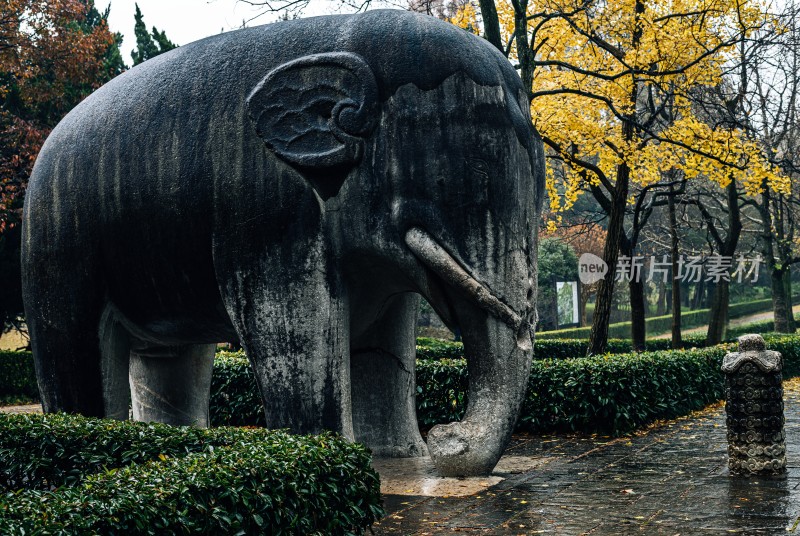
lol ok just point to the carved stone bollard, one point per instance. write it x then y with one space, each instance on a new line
754 404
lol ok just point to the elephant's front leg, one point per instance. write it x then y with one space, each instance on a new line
293 324
382 370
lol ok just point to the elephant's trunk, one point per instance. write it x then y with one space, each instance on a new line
497 344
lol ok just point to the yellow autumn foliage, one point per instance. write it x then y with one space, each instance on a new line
465 16
593 69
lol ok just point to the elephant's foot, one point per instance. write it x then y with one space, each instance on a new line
414 448
461 449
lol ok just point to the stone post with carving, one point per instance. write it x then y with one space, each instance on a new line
754 406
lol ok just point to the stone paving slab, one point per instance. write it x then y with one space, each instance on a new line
671 479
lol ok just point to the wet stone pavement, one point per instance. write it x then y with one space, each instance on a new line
671 479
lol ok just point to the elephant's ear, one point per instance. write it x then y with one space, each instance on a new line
314 112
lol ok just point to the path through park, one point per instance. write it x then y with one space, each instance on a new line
734 323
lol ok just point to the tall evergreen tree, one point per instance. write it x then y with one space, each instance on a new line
148 45
164 43
113 64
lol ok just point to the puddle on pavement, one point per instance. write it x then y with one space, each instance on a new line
417 476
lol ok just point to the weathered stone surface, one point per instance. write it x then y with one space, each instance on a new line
286 185
754 406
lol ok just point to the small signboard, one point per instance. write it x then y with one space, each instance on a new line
568 305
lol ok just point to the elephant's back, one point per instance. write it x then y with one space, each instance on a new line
188 105
212 77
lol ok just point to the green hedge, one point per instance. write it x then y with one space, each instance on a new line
662 324
617 393
18 377
441 390
73 475
428 348
609 393
235 399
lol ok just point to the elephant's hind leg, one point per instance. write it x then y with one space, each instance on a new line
115 351
383 382
64 298
172 384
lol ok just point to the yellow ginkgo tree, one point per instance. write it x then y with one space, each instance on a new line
611 94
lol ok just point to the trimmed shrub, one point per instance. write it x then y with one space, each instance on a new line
569 348
73 475
441 390
580 393
235 398
662 324
18 378
789 347
609 393
617 393
430 348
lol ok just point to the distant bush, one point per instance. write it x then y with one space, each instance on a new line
17 377
66 474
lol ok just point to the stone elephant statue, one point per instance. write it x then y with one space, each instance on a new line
296 186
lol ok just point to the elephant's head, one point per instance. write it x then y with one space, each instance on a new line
431 174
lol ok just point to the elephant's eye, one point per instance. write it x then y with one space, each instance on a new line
478 166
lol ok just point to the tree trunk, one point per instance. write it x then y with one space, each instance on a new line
581 308
605 290
696 299
638 314
787 278
685 292
718 317
637 299
661 301
616 217
676 283
491 24
780 303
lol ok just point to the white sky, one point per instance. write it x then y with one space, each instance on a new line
185 21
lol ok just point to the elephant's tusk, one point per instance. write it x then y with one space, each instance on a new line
441 262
